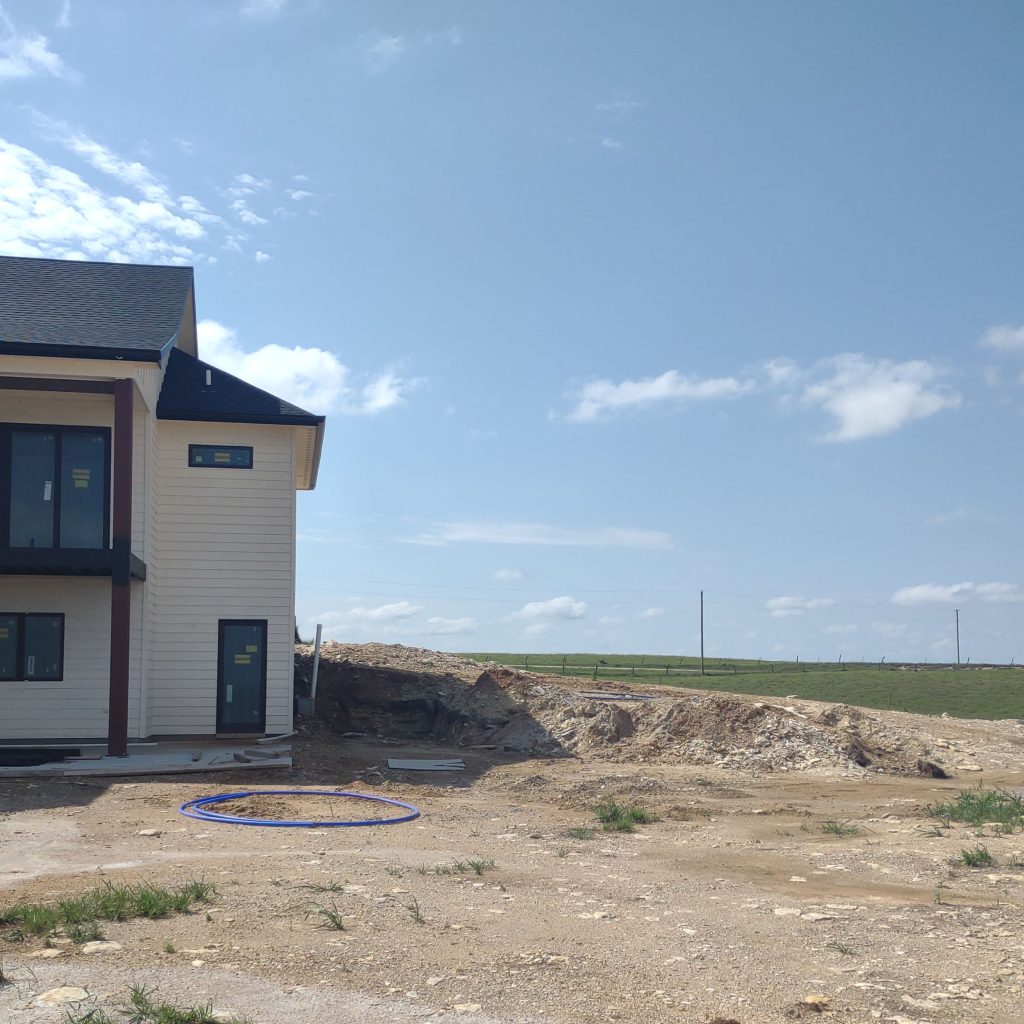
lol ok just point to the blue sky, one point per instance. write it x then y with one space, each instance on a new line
606 303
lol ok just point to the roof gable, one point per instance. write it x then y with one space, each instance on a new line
185 395
97 310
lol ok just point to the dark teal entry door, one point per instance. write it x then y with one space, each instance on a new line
242 676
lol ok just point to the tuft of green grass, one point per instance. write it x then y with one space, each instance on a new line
413 906
839 828
93 1016
478 867
979 807
979 857
78 915
331 916
140 1008
841 947
581 833
169 947
324 886
616 817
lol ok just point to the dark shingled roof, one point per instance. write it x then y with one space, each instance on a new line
185 396
97 310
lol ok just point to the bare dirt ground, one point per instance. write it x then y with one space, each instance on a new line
734 906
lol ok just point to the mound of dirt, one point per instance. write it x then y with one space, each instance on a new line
402 693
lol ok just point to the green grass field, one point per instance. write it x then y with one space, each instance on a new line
995 691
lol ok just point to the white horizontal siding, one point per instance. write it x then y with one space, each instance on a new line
77 706
224 548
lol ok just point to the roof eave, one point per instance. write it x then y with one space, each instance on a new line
24 348
283 420
317 449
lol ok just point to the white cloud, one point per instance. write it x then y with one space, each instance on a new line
385 391
650 613
129 172
873 397
602 397
618 106
1005 337
935 593
611 143
27 54
955 515
786 607
298 194
64 18
195 209
262 257
446 37
556 608
238 193
437 625
890 630
312 378
393 612
49 210
247 215
867 397
842 629
263 8
539 534
380 51
507 575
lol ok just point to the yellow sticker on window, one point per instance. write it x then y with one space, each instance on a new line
252 648
4 633
243 659
81 474
82 483
222 456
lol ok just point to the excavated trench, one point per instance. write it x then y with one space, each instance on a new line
404 705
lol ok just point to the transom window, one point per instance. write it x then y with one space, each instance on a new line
31 646
54 487
222 456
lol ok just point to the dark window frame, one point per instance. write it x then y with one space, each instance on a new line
235 729
192 448
21 655
7 430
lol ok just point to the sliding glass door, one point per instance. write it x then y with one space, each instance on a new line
58 487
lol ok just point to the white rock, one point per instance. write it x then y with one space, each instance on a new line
467 1007
100 946
60 996
151 833
786 912
47 954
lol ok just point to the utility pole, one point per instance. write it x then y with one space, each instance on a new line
957 613
702 632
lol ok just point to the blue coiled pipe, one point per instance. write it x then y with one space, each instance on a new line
198 809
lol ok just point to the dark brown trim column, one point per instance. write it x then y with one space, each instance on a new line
120 579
